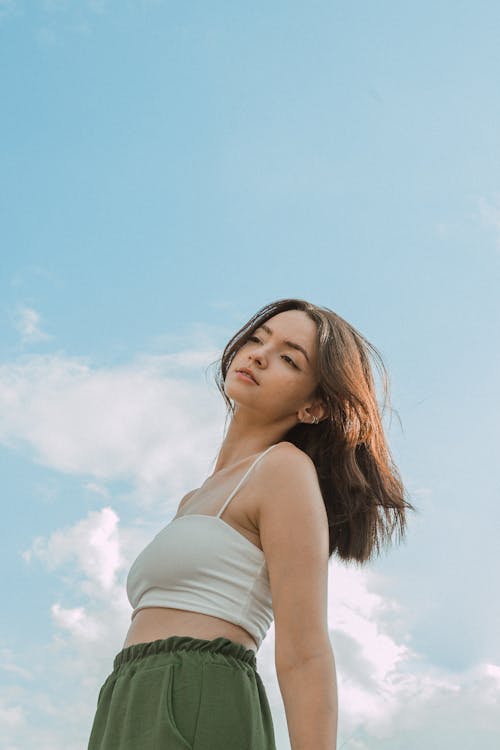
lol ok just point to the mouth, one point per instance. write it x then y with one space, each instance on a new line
246 372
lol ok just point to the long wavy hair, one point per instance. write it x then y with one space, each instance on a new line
365 499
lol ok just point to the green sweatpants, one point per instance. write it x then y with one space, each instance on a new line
183 693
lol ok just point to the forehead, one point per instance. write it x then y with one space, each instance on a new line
294 322
295 326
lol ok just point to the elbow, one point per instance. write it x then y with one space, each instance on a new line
292 659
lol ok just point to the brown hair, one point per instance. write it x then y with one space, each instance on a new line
364 496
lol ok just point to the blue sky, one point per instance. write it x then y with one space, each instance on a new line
167 169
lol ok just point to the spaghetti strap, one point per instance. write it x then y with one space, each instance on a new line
233 493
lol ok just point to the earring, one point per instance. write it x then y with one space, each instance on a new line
315 420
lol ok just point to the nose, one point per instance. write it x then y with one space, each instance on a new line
257 357
258 353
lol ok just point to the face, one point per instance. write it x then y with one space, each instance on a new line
286 376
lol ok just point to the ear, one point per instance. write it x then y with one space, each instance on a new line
316 409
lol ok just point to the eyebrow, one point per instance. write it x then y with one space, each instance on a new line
288 343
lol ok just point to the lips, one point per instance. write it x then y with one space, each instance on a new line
249 373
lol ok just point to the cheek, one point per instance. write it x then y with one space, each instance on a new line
289 390
281 378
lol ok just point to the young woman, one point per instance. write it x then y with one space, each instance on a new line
303 472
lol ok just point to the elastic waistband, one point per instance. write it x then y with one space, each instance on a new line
185 643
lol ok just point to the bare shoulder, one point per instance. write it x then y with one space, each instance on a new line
285 465
288 450
287 455
184 500
287 482
294 533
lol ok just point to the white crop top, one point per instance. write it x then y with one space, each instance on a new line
202 564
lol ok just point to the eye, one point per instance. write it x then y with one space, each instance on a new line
285 356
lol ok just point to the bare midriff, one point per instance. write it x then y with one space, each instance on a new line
155 623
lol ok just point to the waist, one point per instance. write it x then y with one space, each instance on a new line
151 623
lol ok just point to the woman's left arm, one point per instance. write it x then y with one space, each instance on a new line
293 527
309 691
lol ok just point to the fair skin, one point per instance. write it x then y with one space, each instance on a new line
264 413
292 530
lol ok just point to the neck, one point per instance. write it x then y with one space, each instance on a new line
244 439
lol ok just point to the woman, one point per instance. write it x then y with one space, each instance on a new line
303 472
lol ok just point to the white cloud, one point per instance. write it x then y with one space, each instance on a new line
492 671
92 544
106 423
27 320
77 621
11 716
390 696
140 422
386 689
97 488
385 686
8 664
